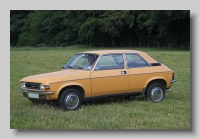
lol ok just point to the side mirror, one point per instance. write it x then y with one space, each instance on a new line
63 67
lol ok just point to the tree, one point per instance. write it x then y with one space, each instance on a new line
17 20
56 27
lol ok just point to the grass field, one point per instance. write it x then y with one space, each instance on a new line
173 113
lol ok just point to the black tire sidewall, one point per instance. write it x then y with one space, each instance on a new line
62 97
150 87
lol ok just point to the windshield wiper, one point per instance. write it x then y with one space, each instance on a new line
70 67
74 67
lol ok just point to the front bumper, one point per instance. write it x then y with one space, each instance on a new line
36 95
172 81
37 92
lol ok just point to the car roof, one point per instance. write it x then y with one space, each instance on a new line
143 54
112 51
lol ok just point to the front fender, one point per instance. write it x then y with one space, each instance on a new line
69 84
84 84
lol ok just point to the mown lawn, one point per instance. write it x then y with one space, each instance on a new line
173 113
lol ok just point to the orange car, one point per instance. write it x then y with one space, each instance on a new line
102 73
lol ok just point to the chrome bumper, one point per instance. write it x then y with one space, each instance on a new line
36 92
172 81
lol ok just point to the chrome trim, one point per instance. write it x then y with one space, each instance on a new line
156 94
71 100
172 81
36 92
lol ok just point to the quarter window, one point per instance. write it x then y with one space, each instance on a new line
134 60
112 61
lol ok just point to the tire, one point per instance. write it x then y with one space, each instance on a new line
70 99
155 92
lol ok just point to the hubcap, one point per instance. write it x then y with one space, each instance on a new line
156 94
71 100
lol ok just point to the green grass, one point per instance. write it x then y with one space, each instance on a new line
173 113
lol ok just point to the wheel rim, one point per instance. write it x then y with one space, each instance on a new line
71 100
156 94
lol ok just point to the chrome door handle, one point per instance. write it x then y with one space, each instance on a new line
123 72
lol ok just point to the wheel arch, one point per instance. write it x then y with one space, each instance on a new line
77 87
152 95
160 80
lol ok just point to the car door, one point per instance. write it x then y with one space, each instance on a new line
109 76
139 71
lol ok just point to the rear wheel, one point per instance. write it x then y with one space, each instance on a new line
155 92
70 99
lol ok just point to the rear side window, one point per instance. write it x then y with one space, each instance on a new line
134 60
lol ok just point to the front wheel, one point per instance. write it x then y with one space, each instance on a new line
70 99
155 92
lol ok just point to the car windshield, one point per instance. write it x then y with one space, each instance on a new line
82 61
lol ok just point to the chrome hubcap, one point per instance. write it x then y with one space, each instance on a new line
156 94
71 100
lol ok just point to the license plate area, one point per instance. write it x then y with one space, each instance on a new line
32 95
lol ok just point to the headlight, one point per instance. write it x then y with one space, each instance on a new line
44 87
41 87
23 85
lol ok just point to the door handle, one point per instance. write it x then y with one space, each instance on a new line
123 72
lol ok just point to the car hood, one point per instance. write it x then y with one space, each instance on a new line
57 76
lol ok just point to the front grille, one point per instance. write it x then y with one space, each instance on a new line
32 85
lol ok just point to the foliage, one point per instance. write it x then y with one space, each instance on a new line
110 27
17 21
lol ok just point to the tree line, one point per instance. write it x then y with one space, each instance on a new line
37 28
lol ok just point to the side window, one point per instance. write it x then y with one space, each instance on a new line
111 61
134 60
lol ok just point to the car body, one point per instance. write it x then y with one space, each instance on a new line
112 73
